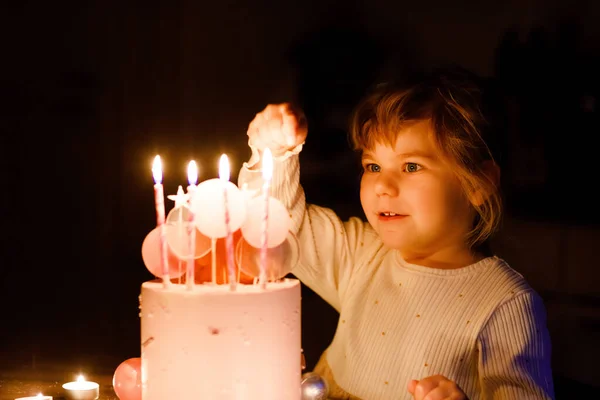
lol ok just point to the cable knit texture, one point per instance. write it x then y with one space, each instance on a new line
481 326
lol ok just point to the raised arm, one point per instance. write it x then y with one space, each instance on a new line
328 246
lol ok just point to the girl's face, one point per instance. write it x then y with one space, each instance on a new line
414 201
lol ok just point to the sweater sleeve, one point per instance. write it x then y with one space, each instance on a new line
327 245
514 351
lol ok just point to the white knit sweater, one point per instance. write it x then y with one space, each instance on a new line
481 326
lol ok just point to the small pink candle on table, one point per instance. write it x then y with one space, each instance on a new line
159 202
267 174
192 180
224 176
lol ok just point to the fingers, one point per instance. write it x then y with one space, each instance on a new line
411 386
280 127
424 386
294 124
435 387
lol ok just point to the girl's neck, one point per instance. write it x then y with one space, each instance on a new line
447 260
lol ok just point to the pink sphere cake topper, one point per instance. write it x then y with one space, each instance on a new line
278 224
280 259
127 379
208 206
151 254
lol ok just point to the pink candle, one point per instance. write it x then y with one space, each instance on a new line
267 173
192 179
224 176
159 202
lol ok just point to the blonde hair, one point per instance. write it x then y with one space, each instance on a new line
451 99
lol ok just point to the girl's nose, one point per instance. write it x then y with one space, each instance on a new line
386 185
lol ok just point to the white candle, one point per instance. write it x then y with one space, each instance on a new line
38 397
224 176
159 202
267 174
81 389
192 180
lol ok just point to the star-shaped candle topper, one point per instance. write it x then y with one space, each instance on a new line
181 198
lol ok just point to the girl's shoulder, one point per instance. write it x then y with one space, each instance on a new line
505 275
503 282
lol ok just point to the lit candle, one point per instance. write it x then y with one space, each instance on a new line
192 179
224 176
159 202
38 397
81 389
267 174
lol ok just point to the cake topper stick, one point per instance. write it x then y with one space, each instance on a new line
213 259
267 174
180 199
224 176
180 235
191 226
159 202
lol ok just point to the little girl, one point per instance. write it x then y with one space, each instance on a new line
425 311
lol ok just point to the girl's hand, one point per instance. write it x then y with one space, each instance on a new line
435 387
280 127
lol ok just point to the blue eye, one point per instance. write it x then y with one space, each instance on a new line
411 167
372 168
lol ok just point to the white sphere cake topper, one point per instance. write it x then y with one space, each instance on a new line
209 207
278 224
178 236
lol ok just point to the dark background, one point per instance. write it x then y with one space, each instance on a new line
91 91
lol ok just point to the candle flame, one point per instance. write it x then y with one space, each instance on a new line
192 173
224 168
157 170
80 378
40 395
267 165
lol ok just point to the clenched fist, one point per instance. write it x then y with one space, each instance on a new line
279 127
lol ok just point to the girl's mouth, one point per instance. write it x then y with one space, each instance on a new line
389 216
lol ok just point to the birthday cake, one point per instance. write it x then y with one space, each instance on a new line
213 343
221 321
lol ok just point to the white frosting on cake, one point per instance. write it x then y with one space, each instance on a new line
212 343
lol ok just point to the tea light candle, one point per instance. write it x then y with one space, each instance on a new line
81 389
38 397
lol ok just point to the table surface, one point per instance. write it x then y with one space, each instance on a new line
13 387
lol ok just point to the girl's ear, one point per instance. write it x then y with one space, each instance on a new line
492 172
